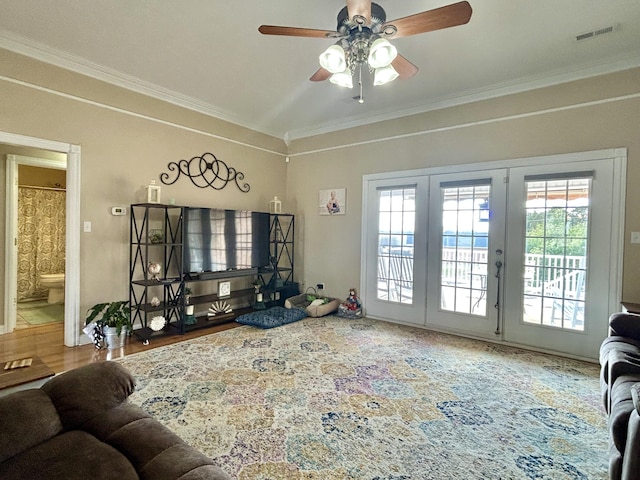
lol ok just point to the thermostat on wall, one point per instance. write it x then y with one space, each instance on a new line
118 210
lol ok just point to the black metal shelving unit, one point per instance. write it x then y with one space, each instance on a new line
277 282
156 235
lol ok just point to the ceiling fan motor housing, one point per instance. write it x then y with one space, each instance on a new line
346 24
357 35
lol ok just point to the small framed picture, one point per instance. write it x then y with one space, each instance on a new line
333 201
224 289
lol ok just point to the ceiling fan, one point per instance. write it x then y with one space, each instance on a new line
362 40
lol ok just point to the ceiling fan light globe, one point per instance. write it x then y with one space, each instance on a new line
385 75
333 59
342 79
381 53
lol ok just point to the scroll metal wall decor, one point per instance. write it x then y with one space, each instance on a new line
205 171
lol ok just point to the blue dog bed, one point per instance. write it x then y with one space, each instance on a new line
272 317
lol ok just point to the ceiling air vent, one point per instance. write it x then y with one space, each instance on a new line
595 33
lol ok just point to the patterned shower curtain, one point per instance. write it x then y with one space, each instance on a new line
41 238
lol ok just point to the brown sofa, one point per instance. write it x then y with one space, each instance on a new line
79 425
620 383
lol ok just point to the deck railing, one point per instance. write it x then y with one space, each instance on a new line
543 274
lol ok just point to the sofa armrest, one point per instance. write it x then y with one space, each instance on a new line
625 325
87 391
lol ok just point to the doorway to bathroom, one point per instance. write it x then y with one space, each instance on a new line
32 146
38 198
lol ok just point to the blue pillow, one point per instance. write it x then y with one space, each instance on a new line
272 317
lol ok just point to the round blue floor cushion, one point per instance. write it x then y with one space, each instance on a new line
272 317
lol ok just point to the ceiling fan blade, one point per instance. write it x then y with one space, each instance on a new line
320 75
436 19
404 67
296 32
359 7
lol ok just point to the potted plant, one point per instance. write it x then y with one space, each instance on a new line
111 318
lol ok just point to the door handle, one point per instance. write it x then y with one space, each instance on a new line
498 275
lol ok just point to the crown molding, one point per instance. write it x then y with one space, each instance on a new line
615 64
58 58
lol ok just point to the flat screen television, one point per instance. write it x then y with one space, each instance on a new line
217 240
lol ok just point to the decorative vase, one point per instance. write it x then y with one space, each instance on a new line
189 309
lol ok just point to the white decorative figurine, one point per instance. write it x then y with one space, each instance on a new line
154 269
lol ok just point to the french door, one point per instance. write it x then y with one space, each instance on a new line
559 256
396 248
466 246
527 253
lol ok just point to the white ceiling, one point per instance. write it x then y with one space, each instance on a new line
209 56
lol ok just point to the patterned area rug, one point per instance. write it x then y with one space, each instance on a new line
329 398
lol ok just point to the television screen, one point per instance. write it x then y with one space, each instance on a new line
218 240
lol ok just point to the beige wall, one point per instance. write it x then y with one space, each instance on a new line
126 140
594 114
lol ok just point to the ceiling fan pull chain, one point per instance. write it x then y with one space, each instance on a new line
361 99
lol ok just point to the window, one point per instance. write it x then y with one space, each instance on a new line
396 226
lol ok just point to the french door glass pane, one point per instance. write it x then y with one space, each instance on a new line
396 226
555 259
465 234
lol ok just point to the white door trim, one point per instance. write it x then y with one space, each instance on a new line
72 263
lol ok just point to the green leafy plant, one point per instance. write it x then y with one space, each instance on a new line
111 314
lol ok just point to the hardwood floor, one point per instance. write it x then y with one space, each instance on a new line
47 342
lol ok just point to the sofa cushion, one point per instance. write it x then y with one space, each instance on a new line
621 408
87 391
72 455
635 395
615 343
182 462
625 325
623 362
27 418
631 461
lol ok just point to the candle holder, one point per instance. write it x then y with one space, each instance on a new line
275 205
153 192
259 305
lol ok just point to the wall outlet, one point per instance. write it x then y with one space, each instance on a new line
320 286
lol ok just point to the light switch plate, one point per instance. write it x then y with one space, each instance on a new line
635 237
224 289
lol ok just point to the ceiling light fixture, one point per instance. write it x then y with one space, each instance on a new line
362 48
361 44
